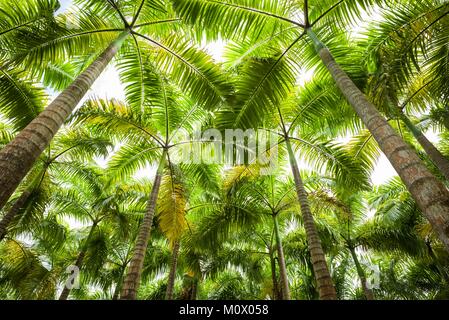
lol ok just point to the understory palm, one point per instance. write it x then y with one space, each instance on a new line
271 25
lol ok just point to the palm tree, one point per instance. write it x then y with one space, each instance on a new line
23 273
282 122
312 228
349 213
275 199
22 98
272 25
405 224
182 191
60 159
194 70
154 123
172 275
88 200
274 203
223 233
396 86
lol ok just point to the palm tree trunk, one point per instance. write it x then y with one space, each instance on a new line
361 273
116 292
429 193
17 158
194 292
132 279
276 295
79 261
281 259
13 211
434 154
172 275
118 286
323 278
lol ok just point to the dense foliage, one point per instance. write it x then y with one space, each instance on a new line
135 198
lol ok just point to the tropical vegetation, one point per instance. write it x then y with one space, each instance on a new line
245 157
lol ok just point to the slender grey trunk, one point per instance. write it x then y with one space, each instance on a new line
18 157
118 286
194 290
79 261
430 194
172 275
434 154
281 260
276 295
323 277
132 279
362 276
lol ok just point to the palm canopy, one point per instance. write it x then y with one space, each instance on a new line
152 44
199 230
22 98
62 160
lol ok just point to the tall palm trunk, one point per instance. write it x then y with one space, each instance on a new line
434 154
281 260
172 275
17 158
132 279
194 291
118 286
323 278
429 193
13 211
276 294
361 273
79 261
116 294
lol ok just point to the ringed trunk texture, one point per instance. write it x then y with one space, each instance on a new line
79 262
361 273
281 259
434 154
172 275
323 278
430 194
17 158
13 211
132 279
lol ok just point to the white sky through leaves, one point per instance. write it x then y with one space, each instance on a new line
109 86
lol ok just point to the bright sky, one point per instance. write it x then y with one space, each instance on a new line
109 86
65 4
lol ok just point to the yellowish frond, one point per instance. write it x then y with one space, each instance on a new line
172 208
